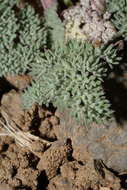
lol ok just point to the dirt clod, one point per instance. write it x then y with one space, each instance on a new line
60 155
53 158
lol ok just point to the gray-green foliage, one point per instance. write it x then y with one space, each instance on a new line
72 79
22 36
118 8
55 27
68 75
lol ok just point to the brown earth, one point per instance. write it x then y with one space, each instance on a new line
47 150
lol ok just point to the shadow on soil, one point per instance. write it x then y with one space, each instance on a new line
116 89
117 95
42 181
5 87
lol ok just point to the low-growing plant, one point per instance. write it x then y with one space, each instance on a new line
72 78
67 73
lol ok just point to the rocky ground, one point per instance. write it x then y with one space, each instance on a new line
42 148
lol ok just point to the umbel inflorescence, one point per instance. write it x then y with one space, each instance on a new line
89 21
67 72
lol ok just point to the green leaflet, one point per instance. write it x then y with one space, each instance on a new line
55 27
